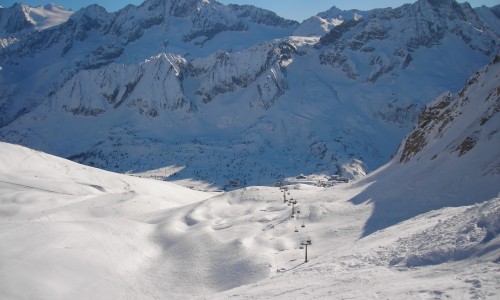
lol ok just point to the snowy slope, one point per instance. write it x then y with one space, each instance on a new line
490 16
451 154
417 239
21 19
71 231
50 15
447 253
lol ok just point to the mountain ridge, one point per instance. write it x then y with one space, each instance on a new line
452 148
21 19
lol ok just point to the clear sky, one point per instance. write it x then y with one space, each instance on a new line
290 9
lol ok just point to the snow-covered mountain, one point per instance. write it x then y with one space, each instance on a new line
451 156
322 23
21 19
93 38
425 225
224 93
490 16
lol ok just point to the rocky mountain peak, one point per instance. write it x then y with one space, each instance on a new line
184 8
91 13
21 19
14 20
261 16
461 120
435 10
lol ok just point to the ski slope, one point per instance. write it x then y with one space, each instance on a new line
73 232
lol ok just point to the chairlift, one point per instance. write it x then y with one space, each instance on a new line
296 230
301 247
303 225
298 211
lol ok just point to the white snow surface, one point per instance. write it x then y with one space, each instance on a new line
70 231
21 19
47 16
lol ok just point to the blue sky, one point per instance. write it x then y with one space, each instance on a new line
291 9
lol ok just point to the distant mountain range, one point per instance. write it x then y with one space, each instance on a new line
222 93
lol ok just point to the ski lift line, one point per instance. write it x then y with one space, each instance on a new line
306 243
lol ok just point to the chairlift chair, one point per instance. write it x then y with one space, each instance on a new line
303 225
296 230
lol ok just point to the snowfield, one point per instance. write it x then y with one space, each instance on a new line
74 232
71 231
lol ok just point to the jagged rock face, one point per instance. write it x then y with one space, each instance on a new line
93 38
437 115
14 19
448 114
229 72
149 88
260 16
424 24
204 19
225 92
324 22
